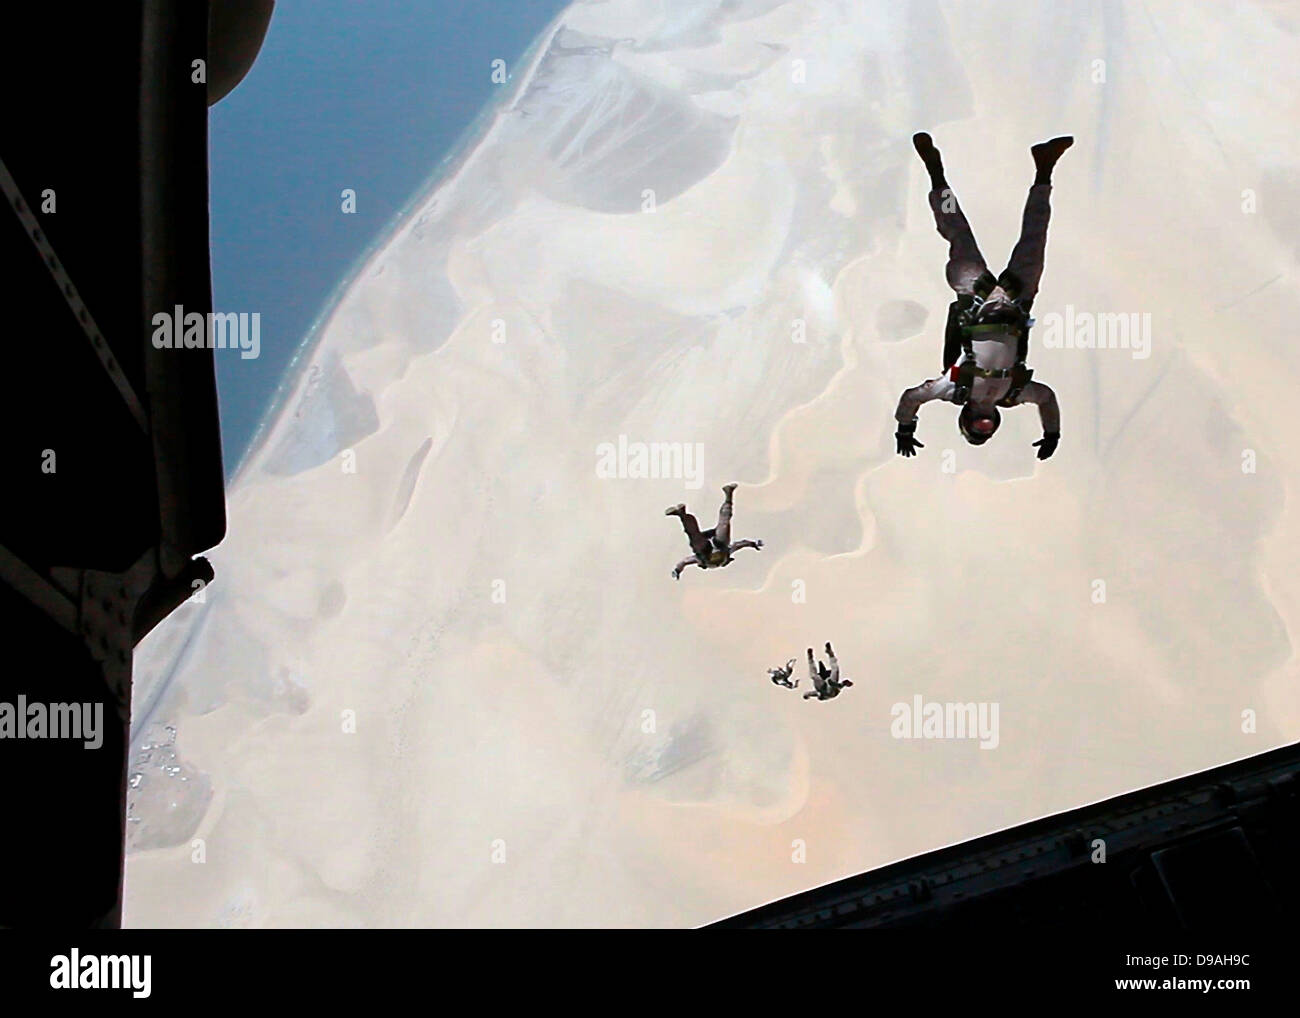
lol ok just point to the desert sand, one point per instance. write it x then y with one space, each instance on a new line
444 677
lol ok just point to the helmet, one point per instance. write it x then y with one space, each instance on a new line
978 426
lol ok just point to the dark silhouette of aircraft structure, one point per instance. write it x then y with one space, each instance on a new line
112 477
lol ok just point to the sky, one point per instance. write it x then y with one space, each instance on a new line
344 94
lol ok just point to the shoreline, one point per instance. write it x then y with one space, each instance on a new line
446 174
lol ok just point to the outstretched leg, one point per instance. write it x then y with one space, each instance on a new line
835 665
965 263
699 543
722 532
1025 270
814 673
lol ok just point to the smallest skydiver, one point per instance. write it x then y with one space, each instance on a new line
781 676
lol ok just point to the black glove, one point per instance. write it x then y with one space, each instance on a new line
1047 444
907 443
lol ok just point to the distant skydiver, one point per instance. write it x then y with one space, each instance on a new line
987 335
781 676
826 681
713 548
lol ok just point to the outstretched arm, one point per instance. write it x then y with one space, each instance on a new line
677 569
1049 413
931 389
737 545
909 404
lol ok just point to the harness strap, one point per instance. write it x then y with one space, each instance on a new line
1020 376
963 328
964 374
969 367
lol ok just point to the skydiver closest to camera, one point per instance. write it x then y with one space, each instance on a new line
987 335
712 549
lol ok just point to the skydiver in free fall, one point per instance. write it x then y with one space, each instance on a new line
781 676
987 335
712 549
826 681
